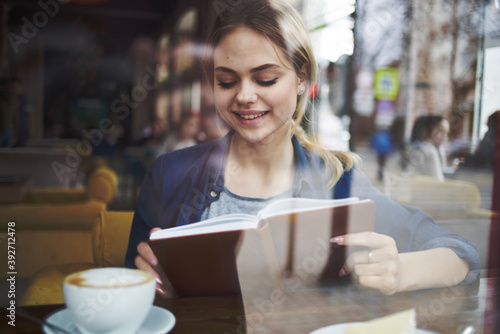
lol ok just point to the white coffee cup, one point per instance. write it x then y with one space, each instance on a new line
109 300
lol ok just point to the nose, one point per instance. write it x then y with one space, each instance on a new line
246 94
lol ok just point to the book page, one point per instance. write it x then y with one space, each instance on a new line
307 258
297 252
232 222
288 205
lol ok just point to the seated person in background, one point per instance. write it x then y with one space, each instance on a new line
484 155
260 65
184 135
426 155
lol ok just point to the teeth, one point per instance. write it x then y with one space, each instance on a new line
251 116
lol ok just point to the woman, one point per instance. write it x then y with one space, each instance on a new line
260 66
426 155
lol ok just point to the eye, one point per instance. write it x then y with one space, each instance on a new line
268 82
226 85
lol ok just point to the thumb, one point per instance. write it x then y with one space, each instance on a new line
154 230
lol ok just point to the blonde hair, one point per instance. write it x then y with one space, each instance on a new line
282 25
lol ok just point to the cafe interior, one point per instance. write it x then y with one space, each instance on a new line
104 87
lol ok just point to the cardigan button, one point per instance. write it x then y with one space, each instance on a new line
213 193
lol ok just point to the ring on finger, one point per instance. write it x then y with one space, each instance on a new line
370 255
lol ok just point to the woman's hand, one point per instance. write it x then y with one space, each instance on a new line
378 266
147 261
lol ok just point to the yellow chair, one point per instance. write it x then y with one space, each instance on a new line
110 236
102 185
448 199
55 230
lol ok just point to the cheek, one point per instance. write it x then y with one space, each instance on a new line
285 94
222 103
221 100
288 101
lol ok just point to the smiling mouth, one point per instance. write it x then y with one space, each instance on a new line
248 117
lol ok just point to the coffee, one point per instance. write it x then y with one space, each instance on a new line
109 300
108 278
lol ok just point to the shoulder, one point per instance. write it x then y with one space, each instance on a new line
425 145
423 148
307 159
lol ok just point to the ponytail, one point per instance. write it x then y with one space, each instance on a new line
336 162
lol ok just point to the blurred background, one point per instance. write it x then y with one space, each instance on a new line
87 85
114 79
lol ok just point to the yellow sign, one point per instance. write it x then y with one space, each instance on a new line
386 85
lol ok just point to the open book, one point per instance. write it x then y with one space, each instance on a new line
285 246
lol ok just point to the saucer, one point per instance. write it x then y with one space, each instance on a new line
158 321
340 329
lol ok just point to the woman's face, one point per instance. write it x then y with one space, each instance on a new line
255 86
440 133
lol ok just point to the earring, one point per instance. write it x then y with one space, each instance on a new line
301 91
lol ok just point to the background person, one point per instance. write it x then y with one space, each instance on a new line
484 155
184 135
426 155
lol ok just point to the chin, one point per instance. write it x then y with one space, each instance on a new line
252 138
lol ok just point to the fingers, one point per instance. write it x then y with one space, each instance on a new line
372 256
146 261
371 240
383 276
154 230
142 264
386 268
161 292
147 254
361 264
360 257
377 266
380 248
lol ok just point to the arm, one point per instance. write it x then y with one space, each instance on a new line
382 267
145 217
410 250
436 267
139 255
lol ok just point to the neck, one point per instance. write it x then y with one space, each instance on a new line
262 155
260 169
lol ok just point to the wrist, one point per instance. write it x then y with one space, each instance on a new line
408 280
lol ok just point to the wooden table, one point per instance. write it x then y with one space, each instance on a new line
447 310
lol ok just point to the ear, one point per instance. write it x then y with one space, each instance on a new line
302 77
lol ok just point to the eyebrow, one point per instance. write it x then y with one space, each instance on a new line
253 70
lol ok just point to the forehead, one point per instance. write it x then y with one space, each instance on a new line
245 48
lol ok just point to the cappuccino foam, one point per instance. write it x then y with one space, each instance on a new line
112 278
